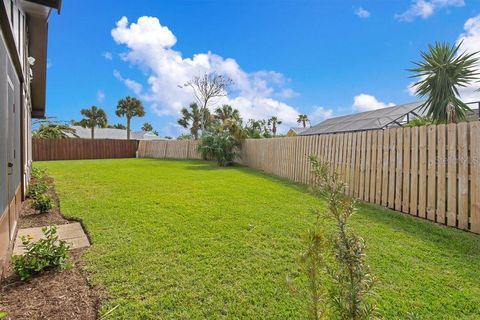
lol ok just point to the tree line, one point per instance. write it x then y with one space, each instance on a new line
95 117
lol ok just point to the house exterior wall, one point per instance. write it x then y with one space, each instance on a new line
15 120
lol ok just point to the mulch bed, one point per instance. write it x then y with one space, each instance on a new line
52 294
29 218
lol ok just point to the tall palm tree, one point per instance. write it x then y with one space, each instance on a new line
442 71
93 117
147 127
191 118
273 121
303 119
226 112
129 107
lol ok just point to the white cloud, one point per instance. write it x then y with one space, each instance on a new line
133 85
362 13
366 102
100 96
288 93
426 8
49 64
320 113
470 43
107 55
150 47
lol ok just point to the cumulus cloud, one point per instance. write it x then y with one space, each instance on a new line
362 13
470 40
471 43
150 47
426 8
366 102
320 113
100 96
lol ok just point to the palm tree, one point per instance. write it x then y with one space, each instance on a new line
442 71
303 119
129 107
147 127
93 117
52 130
273 121
226 112
192 118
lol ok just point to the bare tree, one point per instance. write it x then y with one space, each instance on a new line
206 88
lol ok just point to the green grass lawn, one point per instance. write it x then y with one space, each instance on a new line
186 240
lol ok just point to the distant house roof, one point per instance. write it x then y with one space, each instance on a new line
369 120
111 133
297 130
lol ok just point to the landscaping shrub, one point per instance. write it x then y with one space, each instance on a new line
36 189
48 253
219 144
37 173
42 203
339 280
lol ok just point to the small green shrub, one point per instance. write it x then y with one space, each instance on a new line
44 254
419 121
220 145
43 203
339 279
36 189
37 173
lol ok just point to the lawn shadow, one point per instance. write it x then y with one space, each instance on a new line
455 241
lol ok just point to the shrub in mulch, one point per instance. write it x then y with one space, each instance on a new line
51 294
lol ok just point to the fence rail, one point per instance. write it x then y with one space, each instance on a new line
431 172
169 149
76 149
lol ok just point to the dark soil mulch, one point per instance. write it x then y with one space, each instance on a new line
29 218
52 294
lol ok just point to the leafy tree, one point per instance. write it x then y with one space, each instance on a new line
191 119
303 119
185 137
442 72
256 129
168 137
155 132
93 117
147 127
117 126
419 121
273 122
129 107
206 89
219 144
50 129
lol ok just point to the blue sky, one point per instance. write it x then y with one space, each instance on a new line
322 58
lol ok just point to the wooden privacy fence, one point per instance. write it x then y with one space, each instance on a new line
76 149
432 172
173 149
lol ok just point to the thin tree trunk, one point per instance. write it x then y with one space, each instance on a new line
128 128
93 132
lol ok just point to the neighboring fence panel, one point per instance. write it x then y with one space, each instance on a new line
76 149
431 172
169 149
